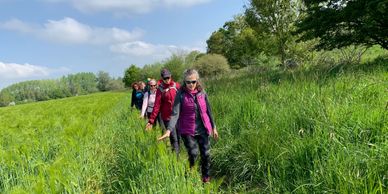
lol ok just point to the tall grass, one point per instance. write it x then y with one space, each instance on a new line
88 144
44 147
303 133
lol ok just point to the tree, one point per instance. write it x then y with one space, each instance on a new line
131 75
115 84
5 98
103 80
238 42
340 23
274 19
176 65
212 65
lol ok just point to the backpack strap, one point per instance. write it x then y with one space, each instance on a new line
167 89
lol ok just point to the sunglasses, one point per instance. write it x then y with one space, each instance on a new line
152 85
191 82
166 78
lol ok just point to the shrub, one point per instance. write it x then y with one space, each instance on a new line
212 65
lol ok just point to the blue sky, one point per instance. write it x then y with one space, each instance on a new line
45 39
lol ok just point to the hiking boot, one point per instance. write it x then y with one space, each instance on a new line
206 179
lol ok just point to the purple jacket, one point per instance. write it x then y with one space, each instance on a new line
184 112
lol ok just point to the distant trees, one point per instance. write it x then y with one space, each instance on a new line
340 23
66 86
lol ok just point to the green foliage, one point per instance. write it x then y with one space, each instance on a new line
306 132
103 79
236 41
339 23
176 65
131 75
88 144
115 84
5 98
56 146
152 70
274 20
212 65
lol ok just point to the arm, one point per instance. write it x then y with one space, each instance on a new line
209 112
155 111
145 105
176 109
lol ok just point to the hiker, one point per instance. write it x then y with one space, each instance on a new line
149 100
165 95
137 96
142 86
193 114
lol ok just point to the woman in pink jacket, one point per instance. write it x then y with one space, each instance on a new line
195 122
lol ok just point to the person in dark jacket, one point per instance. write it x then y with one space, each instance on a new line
137 96
193 114
164 100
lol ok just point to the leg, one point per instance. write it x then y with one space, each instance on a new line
161 122
191 147
204 148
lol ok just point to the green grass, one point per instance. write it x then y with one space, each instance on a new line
304 131
88 144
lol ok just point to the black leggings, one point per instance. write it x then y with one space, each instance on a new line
191 144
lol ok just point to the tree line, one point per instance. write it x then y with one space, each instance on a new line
280 31
66 86
269 33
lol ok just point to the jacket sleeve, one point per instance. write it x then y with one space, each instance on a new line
145 104
209 112
176 109
155 111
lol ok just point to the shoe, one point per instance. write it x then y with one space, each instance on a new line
206 179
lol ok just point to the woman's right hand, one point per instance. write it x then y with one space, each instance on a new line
148 127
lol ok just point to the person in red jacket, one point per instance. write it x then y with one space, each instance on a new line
164 101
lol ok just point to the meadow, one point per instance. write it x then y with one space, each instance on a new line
304 131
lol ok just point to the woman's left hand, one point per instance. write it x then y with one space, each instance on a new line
215 134
166 134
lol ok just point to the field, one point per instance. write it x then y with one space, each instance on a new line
313 131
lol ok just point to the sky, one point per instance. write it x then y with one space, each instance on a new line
46 39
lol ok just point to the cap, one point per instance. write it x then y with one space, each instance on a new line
165 73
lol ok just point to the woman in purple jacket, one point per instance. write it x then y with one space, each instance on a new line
195 122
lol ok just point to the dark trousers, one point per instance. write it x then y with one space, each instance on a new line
174 139
191 144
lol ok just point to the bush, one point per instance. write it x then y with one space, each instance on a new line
212 65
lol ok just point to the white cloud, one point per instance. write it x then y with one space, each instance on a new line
143 49
17 25
25 71
131 6
70 31
11 73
